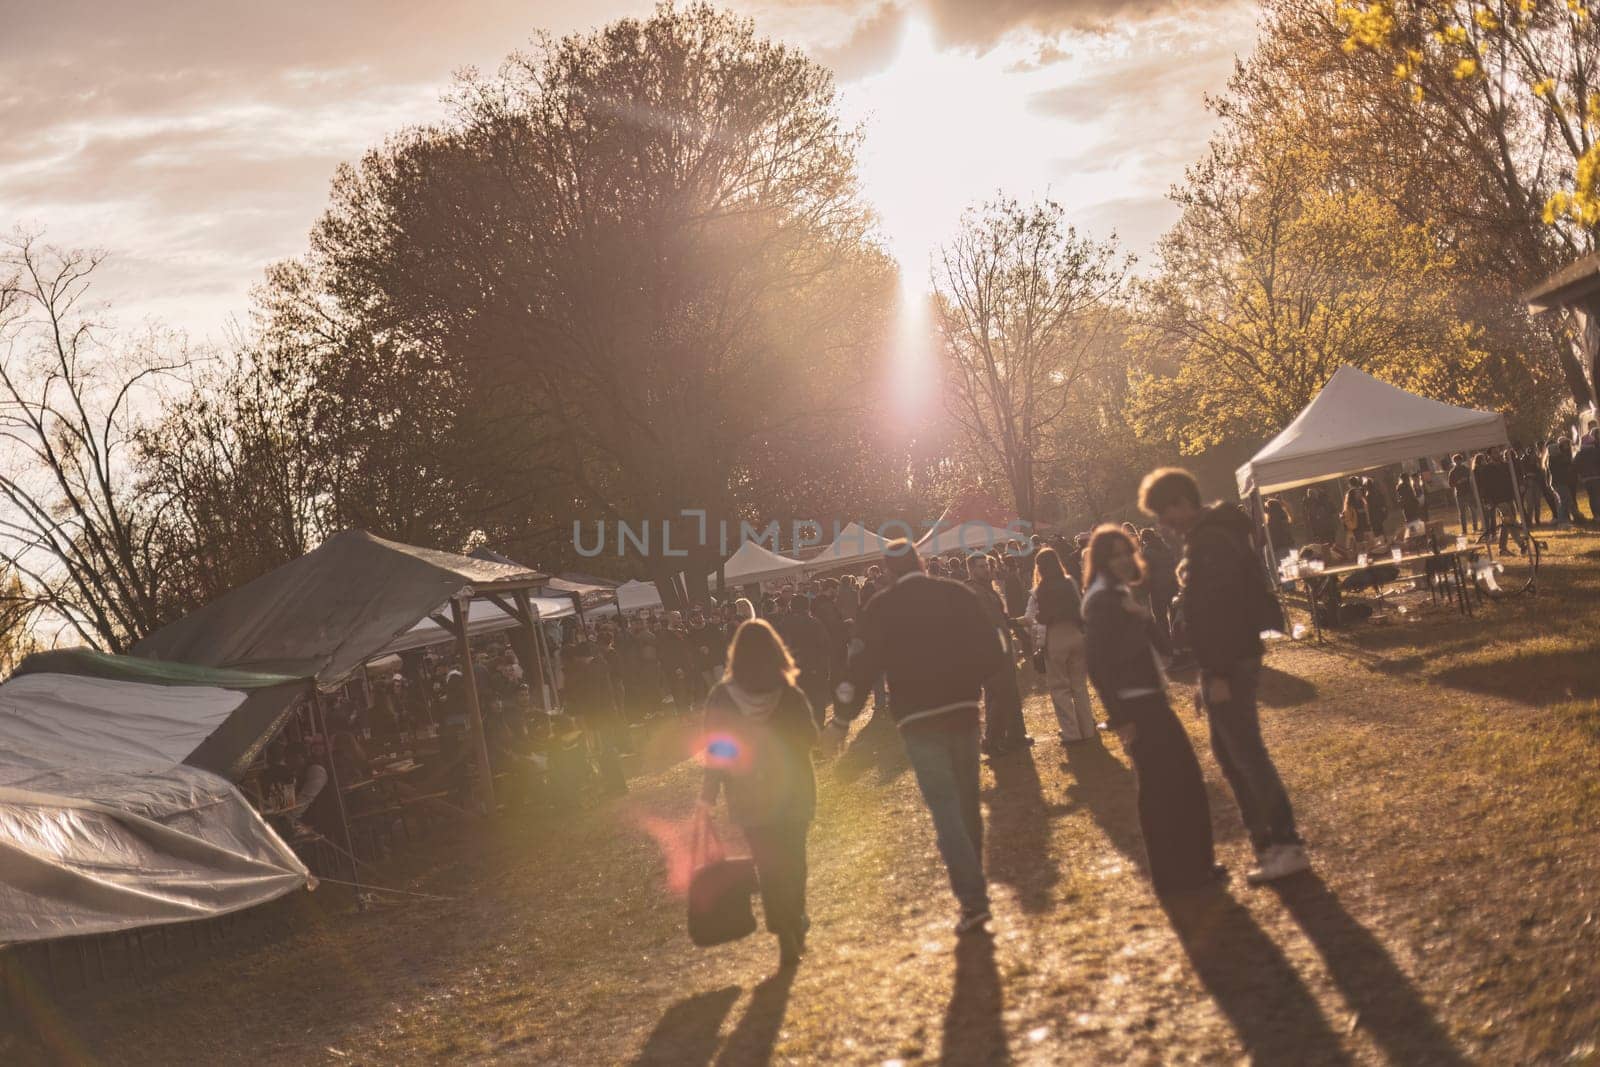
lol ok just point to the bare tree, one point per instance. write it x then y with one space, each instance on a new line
1022 299
72 532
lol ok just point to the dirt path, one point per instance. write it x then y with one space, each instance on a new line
1444 773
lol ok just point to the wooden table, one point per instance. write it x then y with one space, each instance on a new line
1316 581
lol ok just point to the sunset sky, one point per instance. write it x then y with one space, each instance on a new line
194 139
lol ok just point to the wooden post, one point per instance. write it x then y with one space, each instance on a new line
530 619
480 743
321 714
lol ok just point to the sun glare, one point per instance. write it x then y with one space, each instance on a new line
943 128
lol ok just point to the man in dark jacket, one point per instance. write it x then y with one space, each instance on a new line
1227 601
930 638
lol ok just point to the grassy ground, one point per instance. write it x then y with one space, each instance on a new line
1445 773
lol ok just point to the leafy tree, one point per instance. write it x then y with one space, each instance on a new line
1271 279
638 255
1471 117
1022 300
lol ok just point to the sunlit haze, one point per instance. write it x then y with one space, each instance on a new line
197 148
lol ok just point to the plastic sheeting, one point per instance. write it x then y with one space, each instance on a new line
85 853
102 827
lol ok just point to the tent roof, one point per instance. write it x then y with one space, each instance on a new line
972 535
483 617
637 596
260 702
852 544
1358 422
332 609
757 563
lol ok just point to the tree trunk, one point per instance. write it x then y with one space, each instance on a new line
1580 356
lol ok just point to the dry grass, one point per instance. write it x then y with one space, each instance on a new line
1444 772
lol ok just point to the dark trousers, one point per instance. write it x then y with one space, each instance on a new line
1174 815
1242 755
1002 707
779 851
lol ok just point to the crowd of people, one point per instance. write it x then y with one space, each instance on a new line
935 646
1489 494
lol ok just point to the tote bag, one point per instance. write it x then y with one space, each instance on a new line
719 891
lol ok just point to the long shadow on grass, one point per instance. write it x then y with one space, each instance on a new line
1019 831
753 1039
686 1036
1105 787
1388 1006
974 1031
1530 678
876 746
1280 689
1253 983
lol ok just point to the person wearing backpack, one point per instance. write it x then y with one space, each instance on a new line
1228 602
759 736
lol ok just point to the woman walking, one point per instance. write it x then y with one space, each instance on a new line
1173 814
759 736
1056 608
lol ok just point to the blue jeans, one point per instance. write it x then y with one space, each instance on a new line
1242 755
946 765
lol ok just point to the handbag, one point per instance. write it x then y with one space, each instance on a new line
719 890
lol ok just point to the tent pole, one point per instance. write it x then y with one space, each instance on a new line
480 744
546 696
321 714
1518 506
525 604
1271 561
1483 518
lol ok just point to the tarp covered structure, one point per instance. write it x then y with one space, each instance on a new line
106 821
328 612
1357 423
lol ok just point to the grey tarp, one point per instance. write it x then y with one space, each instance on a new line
102 825
233 742
329 611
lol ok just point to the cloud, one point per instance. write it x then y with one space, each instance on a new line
871 45
983 23
195 138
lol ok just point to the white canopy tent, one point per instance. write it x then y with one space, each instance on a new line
1357 423
638 596
756 563
483 617
853 544
976 535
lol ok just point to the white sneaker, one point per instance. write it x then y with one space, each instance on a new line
1278 861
